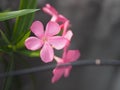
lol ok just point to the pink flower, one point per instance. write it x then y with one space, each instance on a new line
67 34
69 56
65 27
45 40
56 17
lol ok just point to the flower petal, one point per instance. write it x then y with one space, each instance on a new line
69 35
58 60
50 10
58 42
72 55
66 24
54 18
57 74
37 28
61 18
33 43
52 28
47 53
67 71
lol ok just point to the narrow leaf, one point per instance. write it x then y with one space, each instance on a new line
23 23
4 37
20 44
13 14
30 53
8 80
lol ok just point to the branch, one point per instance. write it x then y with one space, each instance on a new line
96 62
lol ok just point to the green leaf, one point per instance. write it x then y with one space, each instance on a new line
13 14
30 53
23 23
20 44
4 37
8 28
8 80
2 50
27 4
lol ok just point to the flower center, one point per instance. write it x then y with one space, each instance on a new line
44 39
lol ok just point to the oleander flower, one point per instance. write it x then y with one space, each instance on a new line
69 56
67 34
45 40
56 17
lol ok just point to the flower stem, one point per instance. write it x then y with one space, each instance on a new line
8 79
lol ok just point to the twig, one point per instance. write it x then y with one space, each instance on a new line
96 62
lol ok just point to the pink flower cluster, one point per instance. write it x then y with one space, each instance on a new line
49 39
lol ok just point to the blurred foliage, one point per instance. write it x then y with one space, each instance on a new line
12 39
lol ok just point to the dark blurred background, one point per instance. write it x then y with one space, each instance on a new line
96 28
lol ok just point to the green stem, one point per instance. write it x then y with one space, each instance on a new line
4 37
7 29
8 80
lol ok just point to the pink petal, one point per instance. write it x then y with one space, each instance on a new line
59 60
49 10
67 71
65 26
69 35
37 28
52 28
72 55
54 18
47 53
61 18
33 43
57 42
57 74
